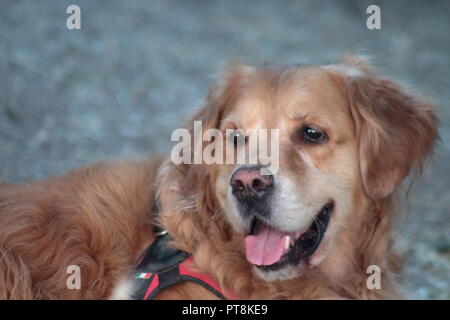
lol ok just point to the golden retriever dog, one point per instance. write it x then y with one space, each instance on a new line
347 140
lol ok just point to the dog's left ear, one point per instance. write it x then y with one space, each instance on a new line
396 129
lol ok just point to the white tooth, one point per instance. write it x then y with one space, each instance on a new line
287 242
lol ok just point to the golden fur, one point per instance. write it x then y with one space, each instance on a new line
99 217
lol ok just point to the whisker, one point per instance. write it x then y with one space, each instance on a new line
315 219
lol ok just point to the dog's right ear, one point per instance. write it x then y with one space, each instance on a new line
223 94
220 100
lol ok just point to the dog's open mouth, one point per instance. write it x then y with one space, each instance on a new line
272 249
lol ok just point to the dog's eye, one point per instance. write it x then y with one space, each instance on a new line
314 135
237 137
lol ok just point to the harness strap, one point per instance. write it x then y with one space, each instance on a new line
160 266
179 273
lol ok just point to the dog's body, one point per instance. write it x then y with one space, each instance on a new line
345 145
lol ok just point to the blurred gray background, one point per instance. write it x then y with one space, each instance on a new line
121 84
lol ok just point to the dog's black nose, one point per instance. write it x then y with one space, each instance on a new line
249 183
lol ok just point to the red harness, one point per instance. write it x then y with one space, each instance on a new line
161 266
179 273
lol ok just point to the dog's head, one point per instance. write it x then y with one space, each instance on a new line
345 137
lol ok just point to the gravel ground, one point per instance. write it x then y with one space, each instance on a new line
122 83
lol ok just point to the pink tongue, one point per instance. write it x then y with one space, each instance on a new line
265 247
